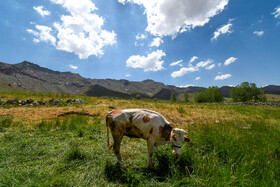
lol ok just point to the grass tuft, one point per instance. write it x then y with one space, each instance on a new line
5 122
75 153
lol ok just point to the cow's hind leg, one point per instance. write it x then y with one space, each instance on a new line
116 148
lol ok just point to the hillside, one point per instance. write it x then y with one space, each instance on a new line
28 76
31 77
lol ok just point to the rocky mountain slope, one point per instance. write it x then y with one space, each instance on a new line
31 77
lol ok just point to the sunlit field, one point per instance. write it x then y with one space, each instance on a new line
47 146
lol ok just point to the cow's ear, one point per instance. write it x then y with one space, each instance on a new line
172 136
187 139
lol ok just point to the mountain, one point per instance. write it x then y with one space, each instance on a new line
272 89
225 90
31 77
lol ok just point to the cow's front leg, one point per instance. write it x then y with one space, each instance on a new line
150 145
116 148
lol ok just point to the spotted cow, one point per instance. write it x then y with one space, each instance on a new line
145 124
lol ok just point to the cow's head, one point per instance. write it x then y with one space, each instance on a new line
177 137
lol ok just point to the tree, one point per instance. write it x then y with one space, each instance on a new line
186 97
173 97
210 95
247 92
138 96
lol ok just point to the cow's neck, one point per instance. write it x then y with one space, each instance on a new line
165 131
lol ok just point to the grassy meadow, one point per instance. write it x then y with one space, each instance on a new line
231 145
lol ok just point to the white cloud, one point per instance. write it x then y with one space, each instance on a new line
258 33
193 59
219 64
197 78
42 12
202 64
140 36
123 1
222 30
166 17
230 60
128 75
222 77
156 42
139 44
183 71
73 67
151 62
81 31
210 67
43 34
276 13
177 63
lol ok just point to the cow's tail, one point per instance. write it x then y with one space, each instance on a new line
108 121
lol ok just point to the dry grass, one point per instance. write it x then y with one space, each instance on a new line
178 114
273 97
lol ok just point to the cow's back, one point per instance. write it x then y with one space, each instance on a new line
121 123
138 123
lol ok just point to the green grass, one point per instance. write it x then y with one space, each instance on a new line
22 94
72 151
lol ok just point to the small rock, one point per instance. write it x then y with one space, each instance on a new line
29 101
246 127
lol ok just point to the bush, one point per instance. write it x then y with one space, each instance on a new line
138 96
247 92
186 97
210 95
173 97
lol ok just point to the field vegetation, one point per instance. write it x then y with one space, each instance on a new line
247 92
210 95
231 145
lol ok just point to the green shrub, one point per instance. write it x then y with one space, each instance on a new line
210 95
186 97
138 96
181 110
173 97
247 92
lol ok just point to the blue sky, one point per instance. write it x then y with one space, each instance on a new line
177 42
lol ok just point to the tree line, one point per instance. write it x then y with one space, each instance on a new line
245 92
